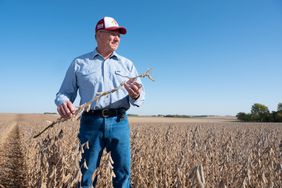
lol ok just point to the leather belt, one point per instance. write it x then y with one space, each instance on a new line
106 112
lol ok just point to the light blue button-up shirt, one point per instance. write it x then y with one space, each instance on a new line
91 73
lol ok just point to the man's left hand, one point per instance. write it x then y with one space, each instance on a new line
133 88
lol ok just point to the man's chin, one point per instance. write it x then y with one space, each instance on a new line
114 47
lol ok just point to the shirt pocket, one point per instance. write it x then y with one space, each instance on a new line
122 76
88 77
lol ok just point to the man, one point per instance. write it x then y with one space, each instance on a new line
106 124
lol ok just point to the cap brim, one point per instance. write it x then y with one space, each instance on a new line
121 30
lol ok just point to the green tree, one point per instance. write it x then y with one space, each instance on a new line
276 116
279 116
260 112
279 107
243 116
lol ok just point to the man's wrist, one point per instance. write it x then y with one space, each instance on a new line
135 98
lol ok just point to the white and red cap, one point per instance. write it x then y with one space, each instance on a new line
110 24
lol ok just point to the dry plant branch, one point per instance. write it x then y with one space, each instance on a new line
86 106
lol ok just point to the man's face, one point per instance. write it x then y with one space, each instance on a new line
108 40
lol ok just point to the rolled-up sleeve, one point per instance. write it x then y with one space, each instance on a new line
68 90
138 102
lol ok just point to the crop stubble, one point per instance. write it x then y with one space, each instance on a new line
203 152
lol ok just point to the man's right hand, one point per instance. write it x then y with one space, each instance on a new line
66 109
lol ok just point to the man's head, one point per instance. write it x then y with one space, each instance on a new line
108 34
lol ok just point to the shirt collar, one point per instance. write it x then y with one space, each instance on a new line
114 55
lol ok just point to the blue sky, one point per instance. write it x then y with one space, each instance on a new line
208 57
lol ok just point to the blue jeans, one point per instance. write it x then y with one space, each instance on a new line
112 133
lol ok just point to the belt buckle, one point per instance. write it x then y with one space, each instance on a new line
104 113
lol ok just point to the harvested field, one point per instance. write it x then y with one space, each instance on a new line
166 152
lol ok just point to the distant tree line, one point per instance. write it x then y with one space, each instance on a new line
181 116
133 115
172 115
50 113
261 113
